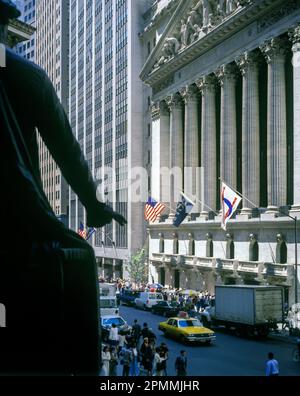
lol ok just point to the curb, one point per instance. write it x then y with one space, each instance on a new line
287 339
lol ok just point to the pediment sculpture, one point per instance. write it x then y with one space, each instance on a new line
200 19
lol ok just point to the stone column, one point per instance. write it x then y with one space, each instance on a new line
274 51
176 147
207 85
228 159
191 175
249 66
295 38
160 187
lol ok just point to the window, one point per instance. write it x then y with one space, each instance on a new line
209 246
191 250
161 244
253 248
229 248
281 250
175 246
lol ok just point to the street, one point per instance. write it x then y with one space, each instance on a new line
227 356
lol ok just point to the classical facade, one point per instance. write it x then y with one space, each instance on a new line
226 99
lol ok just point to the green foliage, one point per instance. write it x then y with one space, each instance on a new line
137 267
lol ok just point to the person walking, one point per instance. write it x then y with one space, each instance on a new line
113 363
125 361
136 332
134 365
181 364
113 337
145 331
158 363
272 366
147 356
164 352
122 342
105 361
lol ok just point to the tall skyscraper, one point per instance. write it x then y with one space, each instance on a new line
52 50
106 115
28 15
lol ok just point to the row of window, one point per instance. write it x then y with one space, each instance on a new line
281 249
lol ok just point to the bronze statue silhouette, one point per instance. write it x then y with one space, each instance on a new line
48 275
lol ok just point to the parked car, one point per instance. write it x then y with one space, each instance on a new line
146 300
108 320
128 297
166 308
187 330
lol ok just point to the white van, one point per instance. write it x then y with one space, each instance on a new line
108 299
146 300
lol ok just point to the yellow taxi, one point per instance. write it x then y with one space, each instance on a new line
187 330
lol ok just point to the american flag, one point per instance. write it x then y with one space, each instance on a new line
153 209
82 231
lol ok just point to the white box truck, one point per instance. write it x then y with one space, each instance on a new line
249 310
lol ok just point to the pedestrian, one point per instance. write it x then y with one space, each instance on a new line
158 360
136 332
272 366
164 350
113 337
113 363
134 364
105 361
29 104
145 331
147 356
181 364
125 361
122 342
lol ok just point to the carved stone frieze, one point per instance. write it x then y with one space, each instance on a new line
201 18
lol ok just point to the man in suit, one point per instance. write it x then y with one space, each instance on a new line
181 364
29 102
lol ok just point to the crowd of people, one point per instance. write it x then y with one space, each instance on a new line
138 354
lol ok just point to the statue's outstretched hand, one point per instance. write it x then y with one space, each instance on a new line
103 214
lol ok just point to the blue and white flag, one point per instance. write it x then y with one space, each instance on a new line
184 207
90 233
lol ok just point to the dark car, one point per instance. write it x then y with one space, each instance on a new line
108 320
127 297
166 308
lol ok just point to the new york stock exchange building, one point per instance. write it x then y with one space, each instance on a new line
225 87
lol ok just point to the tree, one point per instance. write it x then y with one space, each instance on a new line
137 267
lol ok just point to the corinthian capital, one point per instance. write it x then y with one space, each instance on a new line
249 61
227 72
190 93
158 109
174 101
275 48
294 35
207 83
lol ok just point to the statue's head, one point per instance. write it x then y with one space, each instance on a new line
8 10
